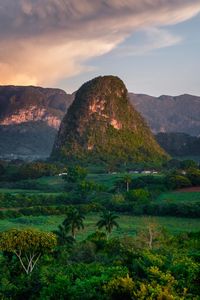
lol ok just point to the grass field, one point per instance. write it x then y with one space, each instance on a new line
129 225
109 180
57 184
179 197
20 191
52 184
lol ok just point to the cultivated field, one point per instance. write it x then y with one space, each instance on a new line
184 195
129 225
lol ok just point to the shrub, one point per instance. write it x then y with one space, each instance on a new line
138 195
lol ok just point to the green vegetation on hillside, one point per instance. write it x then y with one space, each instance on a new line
102 126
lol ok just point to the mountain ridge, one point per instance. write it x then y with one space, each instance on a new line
102 125
24 106
19 104
170 113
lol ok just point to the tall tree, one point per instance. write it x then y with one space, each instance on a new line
75 220
63 236
75 174
108 220
127 179
28 245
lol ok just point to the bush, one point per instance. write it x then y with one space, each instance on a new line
190 210
178 181
194 176
8 200
138 195
120 288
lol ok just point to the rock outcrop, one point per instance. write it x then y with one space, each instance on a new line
101 125
29 120
169 114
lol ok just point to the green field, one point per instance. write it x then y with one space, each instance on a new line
52 184
129 225
56 183
172 197
19 191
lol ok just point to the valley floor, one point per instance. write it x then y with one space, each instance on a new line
128 225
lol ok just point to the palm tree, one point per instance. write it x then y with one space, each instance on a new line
74 220
63 236
108 221
127 179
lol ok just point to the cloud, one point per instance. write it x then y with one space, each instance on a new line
43 41
152 38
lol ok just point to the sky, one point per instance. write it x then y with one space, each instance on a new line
152 45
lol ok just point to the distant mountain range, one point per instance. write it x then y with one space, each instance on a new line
29 120
30 117
169 114
20 104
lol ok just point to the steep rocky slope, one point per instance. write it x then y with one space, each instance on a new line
101 125
25 104
36 112
29 119
169 114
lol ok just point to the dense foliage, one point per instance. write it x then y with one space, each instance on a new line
25 171
135 195
28 245
148 264
179 143
153 265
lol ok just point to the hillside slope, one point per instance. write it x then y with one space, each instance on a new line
28 111
101 125
29 120
169 114
179 144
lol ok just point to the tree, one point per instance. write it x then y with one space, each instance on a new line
108 220
74 219
28 245
2 169
127 179
63 236
151 235
194 176
178 181
120 288
138 195
75 174
188 163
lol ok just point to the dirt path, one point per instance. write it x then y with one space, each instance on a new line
190 189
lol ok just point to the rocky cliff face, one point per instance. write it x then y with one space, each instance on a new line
42 109
27 104
169 114
32 114
102 125
29 119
